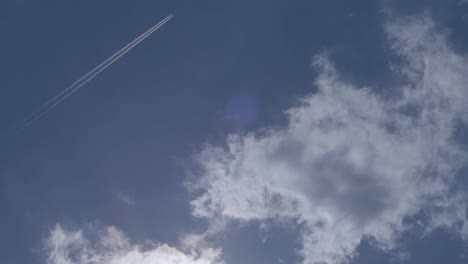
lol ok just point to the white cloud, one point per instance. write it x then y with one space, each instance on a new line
112 247
351 164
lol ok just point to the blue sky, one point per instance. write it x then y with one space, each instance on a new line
241 132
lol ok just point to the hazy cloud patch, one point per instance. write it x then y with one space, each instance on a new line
126 198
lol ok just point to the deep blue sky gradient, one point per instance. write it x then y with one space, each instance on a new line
133 129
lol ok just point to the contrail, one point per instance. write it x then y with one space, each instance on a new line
151 30
60 97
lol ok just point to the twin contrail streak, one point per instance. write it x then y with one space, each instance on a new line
60 97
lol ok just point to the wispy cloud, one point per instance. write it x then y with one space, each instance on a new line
352 164
126 198
113 247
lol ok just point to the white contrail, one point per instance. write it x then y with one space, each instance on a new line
90 75
151 30
49 105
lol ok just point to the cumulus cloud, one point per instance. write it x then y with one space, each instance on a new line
352 164
111 246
